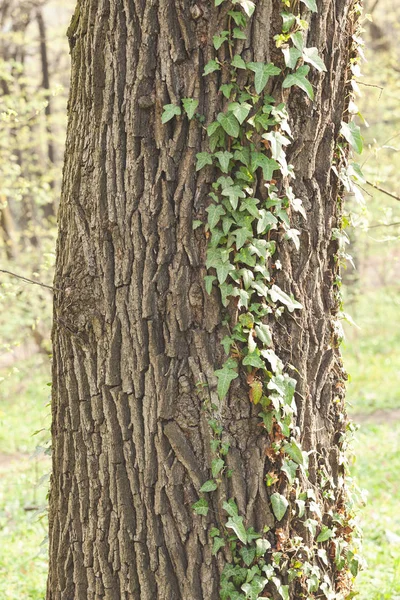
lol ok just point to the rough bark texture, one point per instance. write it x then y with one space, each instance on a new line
135 331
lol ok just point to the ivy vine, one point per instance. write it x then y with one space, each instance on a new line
247 145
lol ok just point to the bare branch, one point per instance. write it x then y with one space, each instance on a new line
49 287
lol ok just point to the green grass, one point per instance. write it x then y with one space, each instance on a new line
377 470
23 408
371 353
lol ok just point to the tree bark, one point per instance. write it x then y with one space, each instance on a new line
135 333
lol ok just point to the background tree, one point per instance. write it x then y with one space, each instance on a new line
137 337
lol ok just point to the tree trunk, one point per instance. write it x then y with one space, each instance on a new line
137 338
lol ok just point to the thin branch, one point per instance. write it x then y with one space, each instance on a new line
380 189
49 287
383 225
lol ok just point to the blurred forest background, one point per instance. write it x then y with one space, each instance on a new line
34 78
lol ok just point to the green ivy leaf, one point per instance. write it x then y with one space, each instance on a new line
288 20
208 486
190 105
247 554
234 192
311 4
216 466
293 450
170 111
240 111
219 39
229 124
299 78
226 89
289 467
201 507
279 505
238 62
253 359
230 507
238 17
215 212
236 523
223 271
291 56
210 67
217 545
267 219
225 377
203 159
208 280
242 235
325 534
262 72
223 159
311 56
351 132
238 34
268 165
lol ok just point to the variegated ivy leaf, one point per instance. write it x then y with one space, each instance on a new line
247 5
311 56
311 4
278 295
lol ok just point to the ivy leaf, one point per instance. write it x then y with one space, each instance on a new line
201 507
203 159
208 486
288 20
253 359
248 555
225 377
208 281
217 545
215 212
223 159
289 467
238 62
218 40
311 4
299 78
230 507
268 165
236 523
311 56
247 5
240 110
267 219
298 40
293 450
223 270
170 111
210 67
262 72
262 545
226 89
276 294
216 466
256 391
242 235
351 132
264 334
229 123
190 105
238 34
291 56
325 534
234 192
279 505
